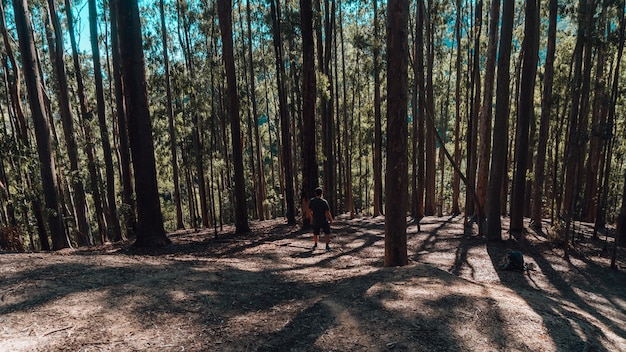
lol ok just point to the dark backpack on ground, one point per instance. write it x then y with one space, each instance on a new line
513 260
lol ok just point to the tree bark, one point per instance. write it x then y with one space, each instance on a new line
309 147
396 187
67 118
224 9
42 130
456 180
484 148
497 169
290 212
115 234
544 124
378 140
150 231
170 119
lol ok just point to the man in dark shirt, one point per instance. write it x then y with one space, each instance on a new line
320 213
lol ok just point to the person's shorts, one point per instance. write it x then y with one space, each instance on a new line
325 227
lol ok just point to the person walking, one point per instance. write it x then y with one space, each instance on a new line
322 218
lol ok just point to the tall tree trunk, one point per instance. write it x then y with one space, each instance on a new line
378 139
602 203
115 234
472 124
544 124
261 193
419 109
498 159
309 155
572 153
484 149
525 110
431 146
150 231
170 117
224 10
130 218
57 55
284 116
456 180
42 130
396 186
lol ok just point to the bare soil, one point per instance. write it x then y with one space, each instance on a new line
267 291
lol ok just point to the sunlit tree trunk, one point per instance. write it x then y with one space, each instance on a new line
396 187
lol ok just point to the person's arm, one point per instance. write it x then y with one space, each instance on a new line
329 216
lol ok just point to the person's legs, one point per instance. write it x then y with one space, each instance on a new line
316 232
327 236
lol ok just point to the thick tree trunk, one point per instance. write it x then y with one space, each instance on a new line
224 9
396 186
419 122
42 130
150 231
498 159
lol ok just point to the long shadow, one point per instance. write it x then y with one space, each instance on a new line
556 316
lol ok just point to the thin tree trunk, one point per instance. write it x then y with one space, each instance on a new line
456 180
378 140
430 145
170 116
111 207
224 9
284 116
57 56
497 169
544 124
484 152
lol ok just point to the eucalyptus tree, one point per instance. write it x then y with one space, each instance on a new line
111 206
396 175
309 147
497 168
224 10
42 131
546 112
150 231
484 150
525 110
57 55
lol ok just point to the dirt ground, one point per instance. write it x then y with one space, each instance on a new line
267 291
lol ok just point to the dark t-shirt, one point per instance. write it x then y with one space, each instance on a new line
319 206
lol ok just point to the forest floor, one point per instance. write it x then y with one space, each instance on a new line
267 291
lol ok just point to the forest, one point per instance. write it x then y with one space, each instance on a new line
127 120
158 158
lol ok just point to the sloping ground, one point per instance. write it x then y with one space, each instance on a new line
266 291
